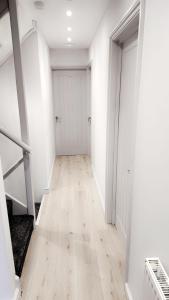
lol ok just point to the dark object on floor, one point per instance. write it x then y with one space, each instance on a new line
37 208
21 228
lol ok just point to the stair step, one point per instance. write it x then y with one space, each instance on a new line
21 228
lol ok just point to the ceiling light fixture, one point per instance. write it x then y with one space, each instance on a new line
39 4
69 39
69 29
69 13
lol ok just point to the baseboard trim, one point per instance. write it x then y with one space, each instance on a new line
128 292
47 189
98 189
17 295
40 211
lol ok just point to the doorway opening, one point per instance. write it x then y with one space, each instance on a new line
72 110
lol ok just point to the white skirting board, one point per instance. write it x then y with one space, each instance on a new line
46 190
17 295
40 211
98 189
128 293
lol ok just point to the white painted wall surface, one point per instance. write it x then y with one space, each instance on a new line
99 55
150 221
69 57
9 119
39 103
34 98
48 109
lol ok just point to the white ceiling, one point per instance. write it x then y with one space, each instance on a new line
53 22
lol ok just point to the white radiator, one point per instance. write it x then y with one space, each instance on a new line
156 285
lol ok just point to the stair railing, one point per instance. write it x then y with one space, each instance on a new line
11 6
8 278
26 160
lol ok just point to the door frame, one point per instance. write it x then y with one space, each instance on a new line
89 84
132 21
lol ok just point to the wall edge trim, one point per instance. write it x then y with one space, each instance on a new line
128 292
98 189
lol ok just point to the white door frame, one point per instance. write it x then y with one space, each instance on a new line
132 21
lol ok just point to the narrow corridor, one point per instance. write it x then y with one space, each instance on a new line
73 254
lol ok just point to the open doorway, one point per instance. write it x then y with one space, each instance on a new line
72 111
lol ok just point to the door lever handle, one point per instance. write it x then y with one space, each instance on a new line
57 118
89 120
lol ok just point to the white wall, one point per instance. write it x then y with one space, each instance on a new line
47 97
69 57
9 119
39 103
150 219
99 55
36 117
38 86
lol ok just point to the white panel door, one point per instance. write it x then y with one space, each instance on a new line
70 97
126 138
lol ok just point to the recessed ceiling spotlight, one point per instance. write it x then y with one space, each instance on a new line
69 13
69 39
39 4
69 29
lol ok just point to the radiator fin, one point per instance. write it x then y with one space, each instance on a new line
158 277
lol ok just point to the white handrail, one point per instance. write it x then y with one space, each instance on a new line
15 200
13 168
21 144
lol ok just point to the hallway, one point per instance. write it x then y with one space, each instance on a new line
73 254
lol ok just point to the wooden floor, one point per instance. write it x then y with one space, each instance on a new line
73 254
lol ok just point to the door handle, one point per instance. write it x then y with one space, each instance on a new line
90 119
57 118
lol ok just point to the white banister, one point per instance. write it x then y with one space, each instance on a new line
21 103
13 168
16 201
15 140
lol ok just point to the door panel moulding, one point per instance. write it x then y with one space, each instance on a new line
70 68
131 23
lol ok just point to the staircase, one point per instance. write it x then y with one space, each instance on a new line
21 227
